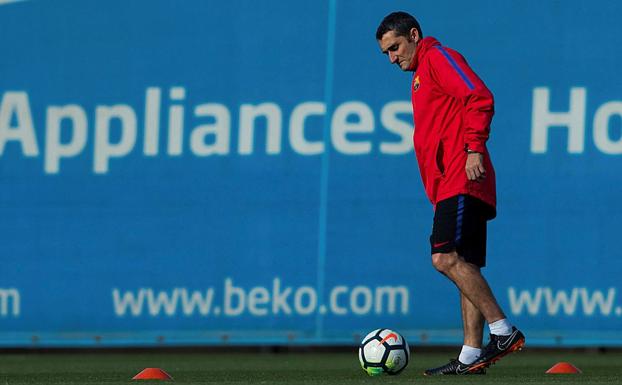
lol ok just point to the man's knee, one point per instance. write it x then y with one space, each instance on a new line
444 262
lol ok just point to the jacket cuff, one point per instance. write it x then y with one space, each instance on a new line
475 146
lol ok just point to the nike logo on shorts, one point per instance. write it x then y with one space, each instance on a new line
441 244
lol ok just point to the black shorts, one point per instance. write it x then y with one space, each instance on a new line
460 225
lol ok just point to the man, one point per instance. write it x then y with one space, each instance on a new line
452 111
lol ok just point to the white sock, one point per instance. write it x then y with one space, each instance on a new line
469 354
503 327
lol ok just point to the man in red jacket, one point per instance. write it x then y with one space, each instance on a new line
452 110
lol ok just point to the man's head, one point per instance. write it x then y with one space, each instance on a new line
398 35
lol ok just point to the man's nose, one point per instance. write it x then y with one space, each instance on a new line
392 57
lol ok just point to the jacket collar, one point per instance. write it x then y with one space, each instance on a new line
422 49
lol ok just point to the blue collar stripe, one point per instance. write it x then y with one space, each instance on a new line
456 67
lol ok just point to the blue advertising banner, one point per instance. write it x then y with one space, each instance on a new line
242 172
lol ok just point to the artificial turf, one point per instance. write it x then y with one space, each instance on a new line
292 368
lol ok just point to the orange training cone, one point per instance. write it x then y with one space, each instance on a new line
152 374
563 368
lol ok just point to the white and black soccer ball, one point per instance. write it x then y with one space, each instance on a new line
384 351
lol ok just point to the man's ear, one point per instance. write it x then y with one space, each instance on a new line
414 35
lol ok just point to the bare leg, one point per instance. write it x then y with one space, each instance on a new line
472 323
470 282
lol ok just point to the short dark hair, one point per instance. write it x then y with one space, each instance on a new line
399 22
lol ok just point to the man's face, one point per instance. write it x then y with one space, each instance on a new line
399 49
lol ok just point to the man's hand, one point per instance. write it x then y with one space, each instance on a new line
475 167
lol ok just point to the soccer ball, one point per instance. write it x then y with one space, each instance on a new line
384 351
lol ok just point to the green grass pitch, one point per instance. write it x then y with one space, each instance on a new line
292 368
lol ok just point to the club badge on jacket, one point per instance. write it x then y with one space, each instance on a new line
416 84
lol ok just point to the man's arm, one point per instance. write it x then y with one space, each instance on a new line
453 74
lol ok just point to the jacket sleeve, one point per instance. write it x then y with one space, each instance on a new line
454 76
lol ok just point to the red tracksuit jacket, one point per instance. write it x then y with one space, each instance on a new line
452 109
